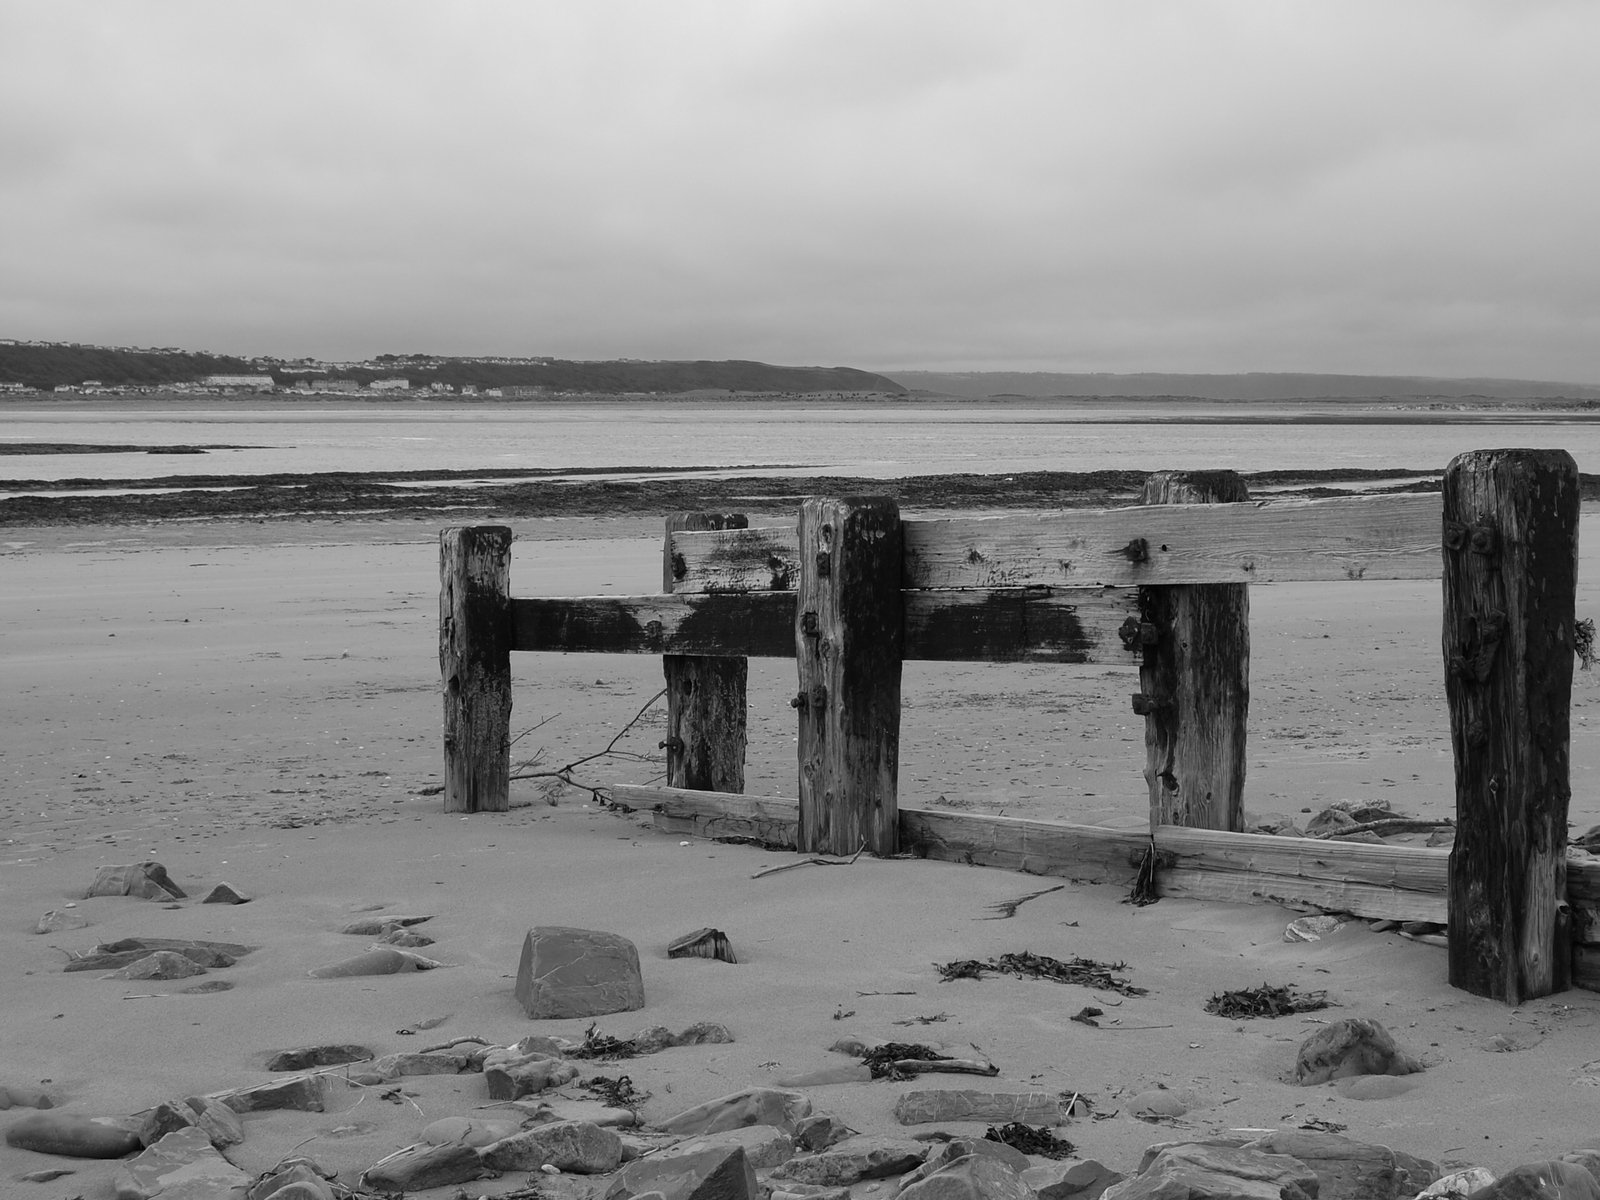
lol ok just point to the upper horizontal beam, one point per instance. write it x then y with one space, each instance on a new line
1349 538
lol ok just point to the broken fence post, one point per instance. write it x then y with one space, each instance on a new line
475 666
1510 546
849 632
1194 678
707 709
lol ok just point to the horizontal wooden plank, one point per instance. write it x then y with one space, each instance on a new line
1398 882
770 822
1348 538
739 624
1404 883
1583 879
1062 625
1368 537
1057 625
1586 968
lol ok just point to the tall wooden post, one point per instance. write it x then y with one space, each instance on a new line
849 631
475 666
707 709
1510 577
1195 678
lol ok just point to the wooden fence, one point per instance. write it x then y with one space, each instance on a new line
852 590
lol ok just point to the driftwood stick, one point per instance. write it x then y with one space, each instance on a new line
1386 825
953 1066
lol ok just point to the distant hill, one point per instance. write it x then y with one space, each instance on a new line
1254 386
620 376
50 364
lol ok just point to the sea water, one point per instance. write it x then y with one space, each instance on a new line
885 440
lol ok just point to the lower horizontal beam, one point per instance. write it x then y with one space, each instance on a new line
1395 882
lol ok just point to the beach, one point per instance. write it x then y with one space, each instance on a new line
257 702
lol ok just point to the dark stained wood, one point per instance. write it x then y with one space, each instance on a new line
475 666
1045 625
1348 539
707 713
849 632
1062 625
1510 577
725 624
1195 678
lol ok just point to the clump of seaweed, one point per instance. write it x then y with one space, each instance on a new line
618 1092
1085 972
1265 1001
881 1059
1031 1139
600 1045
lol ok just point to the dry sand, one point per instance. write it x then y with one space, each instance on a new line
257 703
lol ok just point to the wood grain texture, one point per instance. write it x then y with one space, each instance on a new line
707 710
1043 625
1195 677
1061 625
757 625
849 634
1344 539
1510 581
475 666
1397 882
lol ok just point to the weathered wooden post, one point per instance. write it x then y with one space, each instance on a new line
849 631
1510 578
475 666
1194 678
707 710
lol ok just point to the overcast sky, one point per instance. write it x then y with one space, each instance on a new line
1388 187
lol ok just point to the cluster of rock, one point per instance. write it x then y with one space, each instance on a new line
762 1143
755 1144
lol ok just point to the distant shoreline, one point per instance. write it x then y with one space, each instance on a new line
1268 410
532 494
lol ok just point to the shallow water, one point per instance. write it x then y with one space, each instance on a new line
883 441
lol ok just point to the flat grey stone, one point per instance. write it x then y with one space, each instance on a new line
972 1177
303 1058
855 1159
764 1145
752 1106
1352 1046
183 1165
923 1106
714 1173
576 1147
1553 1180
419 1167
1214 1171
145 881
1071 1179
1350 1170
566 972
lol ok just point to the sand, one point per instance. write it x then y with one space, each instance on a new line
257 703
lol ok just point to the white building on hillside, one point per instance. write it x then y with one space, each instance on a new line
251 383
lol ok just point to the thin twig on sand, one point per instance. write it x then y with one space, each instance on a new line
813 862
563 774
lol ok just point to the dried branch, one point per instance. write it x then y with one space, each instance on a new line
563 774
